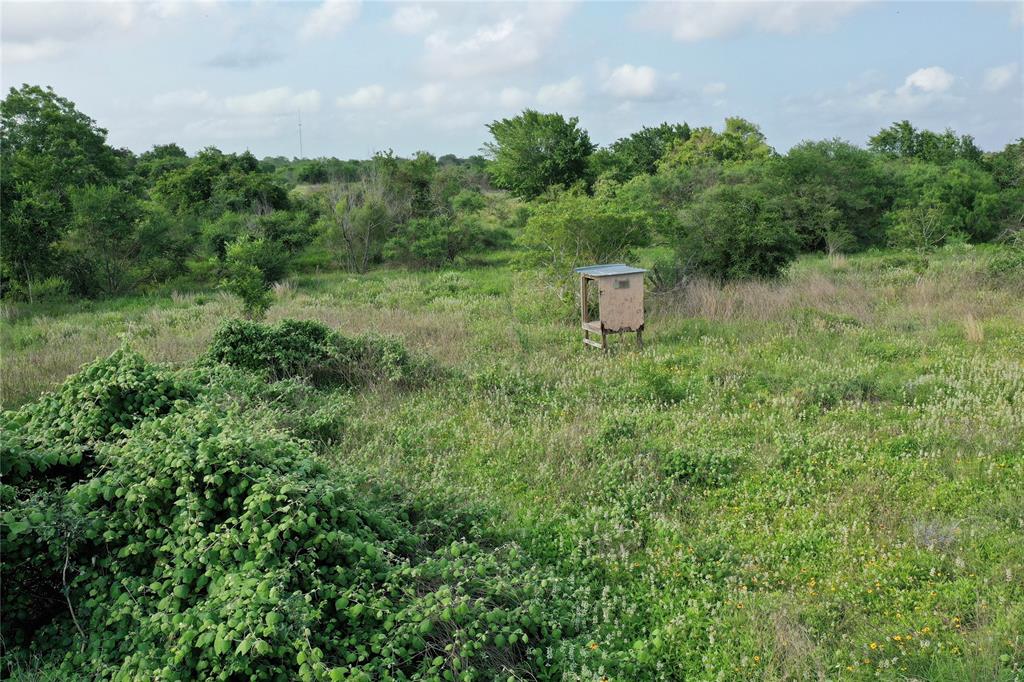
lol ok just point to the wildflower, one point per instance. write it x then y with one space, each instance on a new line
757 659
874 645
592 645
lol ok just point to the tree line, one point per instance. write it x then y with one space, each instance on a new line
730 206
81 218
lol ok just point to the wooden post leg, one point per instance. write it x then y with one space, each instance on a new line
640 339
604 342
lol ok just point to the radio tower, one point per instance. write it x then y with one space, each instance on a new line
300 134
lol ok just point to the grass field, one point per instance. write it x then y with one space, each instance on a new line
818 478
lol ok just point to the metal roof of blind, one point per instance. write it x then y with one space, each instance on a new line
609 270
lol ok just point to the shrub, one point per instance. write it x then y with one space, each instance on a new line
574 229
290 348
312 350
102 400
252 267
469 201
51 289
433 242
1006 266
666 274
206 543
51 444
735 232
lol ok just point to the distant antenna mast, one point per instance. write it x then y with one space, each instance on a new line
300 135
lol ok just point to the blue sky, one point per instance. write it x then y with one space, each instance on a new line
368 76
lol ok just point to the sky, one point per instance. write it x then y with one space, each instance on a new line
369 76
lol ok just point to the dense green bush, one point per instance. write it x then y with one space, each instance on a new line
52 444
312 350
1006 266
251 267
735 232
433 242
573 229
533 151
198 540
469 201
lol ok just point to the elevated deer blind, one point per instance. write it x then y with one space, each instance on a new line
611 302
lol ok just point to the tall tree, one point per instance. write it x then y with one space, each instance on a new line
902 140
834 193
640 152
533 151
102 238
739 141
47 147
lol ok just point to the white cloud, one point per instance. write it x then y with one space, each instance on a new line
923 90
568 93
265 103
413 18
430 94
329 18
999 77
376 97
365 97
714 88
184 99
42 30
632 82
932 79
696 21
33 50
273 101
513 98
33 31
505 41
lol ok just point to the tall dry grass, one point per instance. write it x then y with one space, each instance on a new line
934 298
765 301
40 357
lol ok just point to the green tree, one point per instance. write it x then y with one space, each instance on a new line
1007 166
961 197
834 193
574 229
252 267
640 152
902 141
434 242
103 240
469 201
739 141
215 182
534 151
159 161
313 173
735 232
47 147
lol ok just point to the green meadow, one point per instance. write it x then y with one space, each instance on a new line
816 477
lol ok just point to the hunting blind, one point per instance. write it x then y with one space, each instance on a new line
611 302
